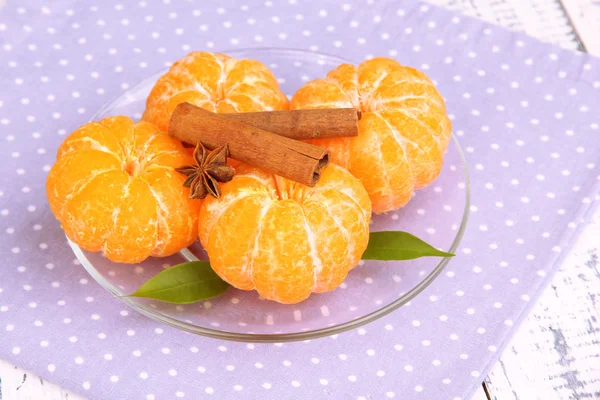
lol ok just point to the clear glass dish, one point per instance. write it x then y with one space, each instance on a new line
438 214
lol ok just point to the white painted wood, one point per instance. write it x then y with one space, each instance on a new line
18 384
585 17
570 23
480 395
555 355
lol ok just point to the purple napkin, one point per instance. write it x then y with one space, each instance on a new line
526 113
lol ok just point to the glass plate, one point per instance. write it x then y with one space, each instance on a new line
373 289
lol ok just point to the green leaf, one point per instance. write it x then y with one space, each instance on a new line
398 245
183 284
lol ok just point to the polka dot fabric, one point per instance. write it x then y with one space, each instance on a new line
527 117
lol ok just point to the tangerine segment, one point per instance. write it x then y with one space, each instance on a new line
204 70
346 78
244 217
237 72
372 72
92 136
72 171
177 214
134 232
216 82
380 152
284 239
350 220
403 133
254 96
339 179
321 93
113 188
122 128
285 261
243 185
90 213
333 254
408 88
421 148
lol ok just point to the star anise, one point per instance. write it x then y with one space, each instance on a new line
210 169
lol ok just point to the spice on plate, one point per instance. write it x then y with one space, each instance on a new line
292 159
318 123
211 169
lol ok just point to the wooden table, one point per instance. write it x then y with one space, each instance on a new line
555 355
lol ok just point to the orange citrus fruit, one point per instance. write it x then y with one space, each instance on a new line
114 188
282 238
403 133
216 82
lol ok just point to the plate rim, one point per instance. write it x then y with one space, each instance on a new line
276 337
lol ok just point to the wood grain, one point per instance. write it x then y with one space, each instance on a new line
585 18
18 384
554 355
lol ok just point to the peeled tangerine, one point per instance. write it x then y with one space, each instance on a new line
216 82
282 238
114 188
403 133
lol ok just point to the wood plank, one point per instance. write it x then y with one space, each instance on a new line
555 354
585 18
480 395
543 19
18 384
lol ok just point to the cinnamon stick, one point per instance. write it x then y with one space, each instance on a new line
292 159
304 124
